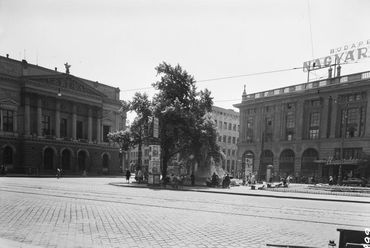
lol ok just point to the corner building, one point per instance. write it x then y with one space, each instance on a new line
227 122
310 130
50 120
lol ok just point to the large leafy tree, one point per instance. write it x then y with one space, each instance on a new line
141 105
185 124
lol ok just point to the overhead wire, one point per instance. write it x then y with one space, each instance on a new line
227 77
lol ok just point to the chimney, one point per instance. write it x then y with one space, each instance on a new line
7 56
24 67
56 69
338 70
330 73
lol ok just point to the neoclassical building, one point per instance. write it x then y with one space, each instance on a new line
316 129
50 119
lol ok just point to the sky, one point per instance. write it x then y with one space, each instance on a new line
120 42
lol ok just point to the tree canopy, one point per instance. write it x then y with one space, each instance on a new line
185 123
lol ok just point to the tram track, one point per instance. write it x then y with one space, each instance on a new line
272 213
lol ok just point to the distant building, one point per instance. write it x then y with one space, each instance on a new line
308 131
50 120
227 121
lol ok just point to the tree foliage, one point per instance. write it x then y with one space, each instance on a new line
185 123
186 126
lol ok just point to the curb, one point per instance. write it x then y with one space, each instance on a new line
246 194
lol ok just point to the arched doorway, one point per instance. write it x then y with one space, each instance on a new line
8 156
81 158
48 159
248 163
66 160
309 168
286 163
105 163
267 158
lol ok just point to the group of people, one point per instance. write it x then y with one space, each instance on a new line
215 181
3 169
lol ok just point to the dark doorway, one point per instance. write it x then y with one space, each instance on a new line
105 161
48 159
8 155
286 163
309 167
66 160
82 161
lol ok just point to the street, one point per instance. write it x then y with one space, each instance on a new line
89 212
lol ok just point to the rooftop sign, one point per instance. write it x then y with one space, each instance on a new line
348 53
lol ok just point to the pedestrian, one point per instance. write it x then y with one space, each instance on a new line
331 180
128 175
58 173
192 178
139 176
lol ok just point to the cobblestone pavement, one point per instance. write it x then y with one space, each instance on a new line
88 212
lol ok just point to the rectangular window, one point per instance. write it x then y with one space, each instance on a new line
315 119
8 120
230 126
106 130
63 128
225 125
219 138
233 152
228 152
224 138
234 127
233 140
46 125
290 122
229 140
314 134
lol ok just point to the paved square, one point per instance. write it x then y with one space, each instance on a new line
88 212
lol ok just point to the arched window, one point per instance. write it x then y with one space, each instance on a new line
8 155
286 163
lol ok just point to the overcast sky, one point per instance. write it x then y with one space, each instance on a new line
120 42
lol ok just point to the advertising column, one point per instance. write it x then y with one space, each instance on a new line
154 169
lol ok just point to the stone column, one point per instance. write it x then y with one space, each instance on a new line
1 120
98 129
297 165
277 123
39 117
89 126
367 121
299 119
324 118
27 122
57 119
74 122
333 115
15 122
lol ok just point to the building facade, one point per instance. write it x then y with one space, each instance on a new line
227 121
50 120
307 131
